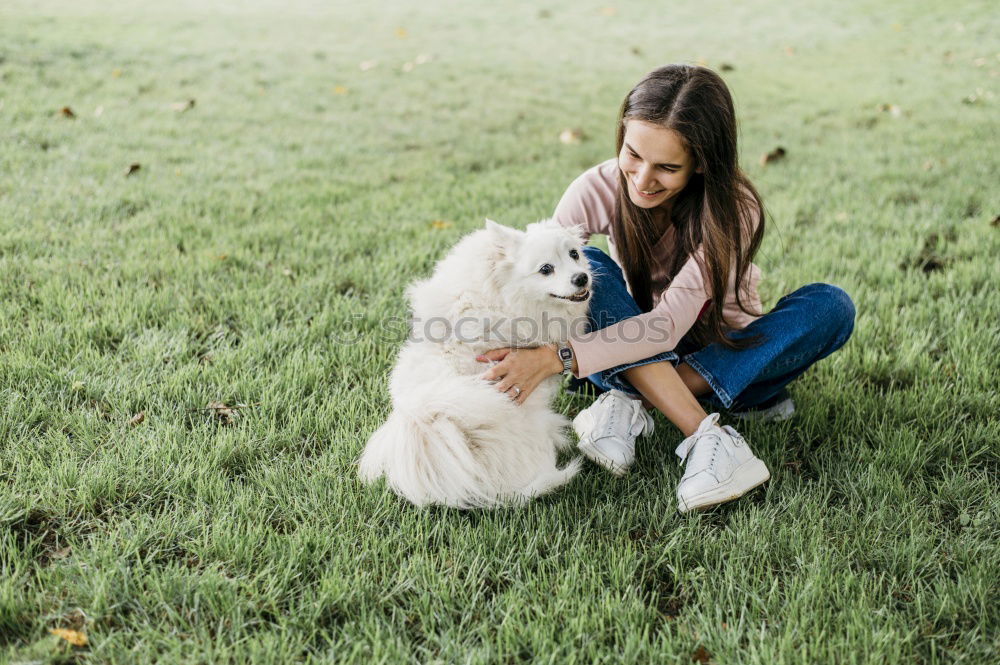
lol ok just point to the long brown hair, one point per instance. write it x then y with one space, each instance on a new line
713 210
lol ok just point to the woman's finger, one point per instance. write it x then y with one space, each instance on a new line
496 371
503 385
511 387
525 392
494 355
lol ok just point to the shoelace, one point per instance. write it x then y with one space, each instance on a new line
637 417
705 429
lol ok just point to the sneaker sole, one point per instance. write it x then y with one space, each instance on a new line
781 411
586 447
752 474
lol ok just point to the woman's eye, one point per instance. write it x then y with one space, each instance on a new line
667 169
573 254
546 269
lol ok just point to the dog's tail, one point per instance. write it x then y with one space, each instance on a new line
547 481
426 459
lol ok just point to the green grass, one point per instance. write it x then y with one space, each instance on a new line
259 251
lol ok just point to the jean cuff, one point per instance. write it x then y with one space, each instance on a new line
719 391
610 377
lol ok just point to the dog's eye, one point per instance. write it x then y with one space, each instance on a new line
546 269
573 254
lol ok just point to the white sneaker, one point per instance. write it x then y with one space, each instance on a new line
783 410
608 427
720 466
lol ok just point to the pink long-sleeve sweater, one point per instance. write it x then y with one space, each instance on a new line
590 202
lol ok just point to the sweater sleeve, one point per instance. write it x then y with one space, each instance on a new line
589 201
648 334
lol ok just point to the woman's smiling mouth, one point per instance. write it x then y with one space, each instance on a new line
645 194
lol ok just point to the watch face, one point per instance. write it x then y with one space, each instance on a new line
565 353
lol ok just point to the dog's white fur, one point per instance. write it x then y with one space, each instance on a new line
452 437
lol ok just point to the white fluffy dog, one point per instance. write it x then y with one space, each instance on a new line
452 438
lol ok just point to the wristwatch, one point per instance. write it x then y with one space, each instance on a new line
566 356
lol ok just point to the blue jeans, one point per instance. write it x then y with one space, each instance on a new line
804 326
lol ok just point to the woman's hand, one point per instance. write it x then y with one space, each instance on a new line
521 369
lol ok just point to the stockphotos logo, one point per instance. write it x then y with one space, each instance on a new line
502 331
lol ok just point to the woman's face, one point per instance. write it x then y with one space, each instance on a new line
655 162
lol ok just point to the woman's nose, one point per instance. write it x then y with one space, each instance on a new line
643 177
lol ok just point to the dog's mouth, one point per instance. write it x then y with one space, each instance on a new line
579 296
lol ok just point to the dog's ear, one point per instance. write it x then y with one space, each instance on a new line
506 239
577 230
543 224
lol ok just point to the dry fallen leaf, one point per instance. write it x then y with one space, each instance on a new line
570 136
439 224
132 168
137 419
977 97
701 655
74 637
68 112
365 65
289 273
222 413
773 156
891 109
996 222
789 50
180 107
60 553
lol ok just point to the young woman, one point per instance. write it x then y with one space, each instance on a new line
674 311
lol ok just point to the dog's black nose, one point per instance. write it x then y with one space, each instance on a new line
580 279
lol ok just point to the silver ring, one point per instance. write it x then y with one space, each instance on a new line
517 392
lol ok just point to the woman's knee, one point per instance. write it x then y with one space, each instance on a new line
598 258
834 310
610 300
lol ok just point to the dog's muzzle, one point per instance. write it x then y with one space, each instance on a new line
576 297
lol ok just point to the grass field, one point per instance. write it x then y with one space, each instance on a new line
331 155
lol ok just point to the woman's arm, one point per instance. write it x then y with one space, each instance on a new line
648 334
